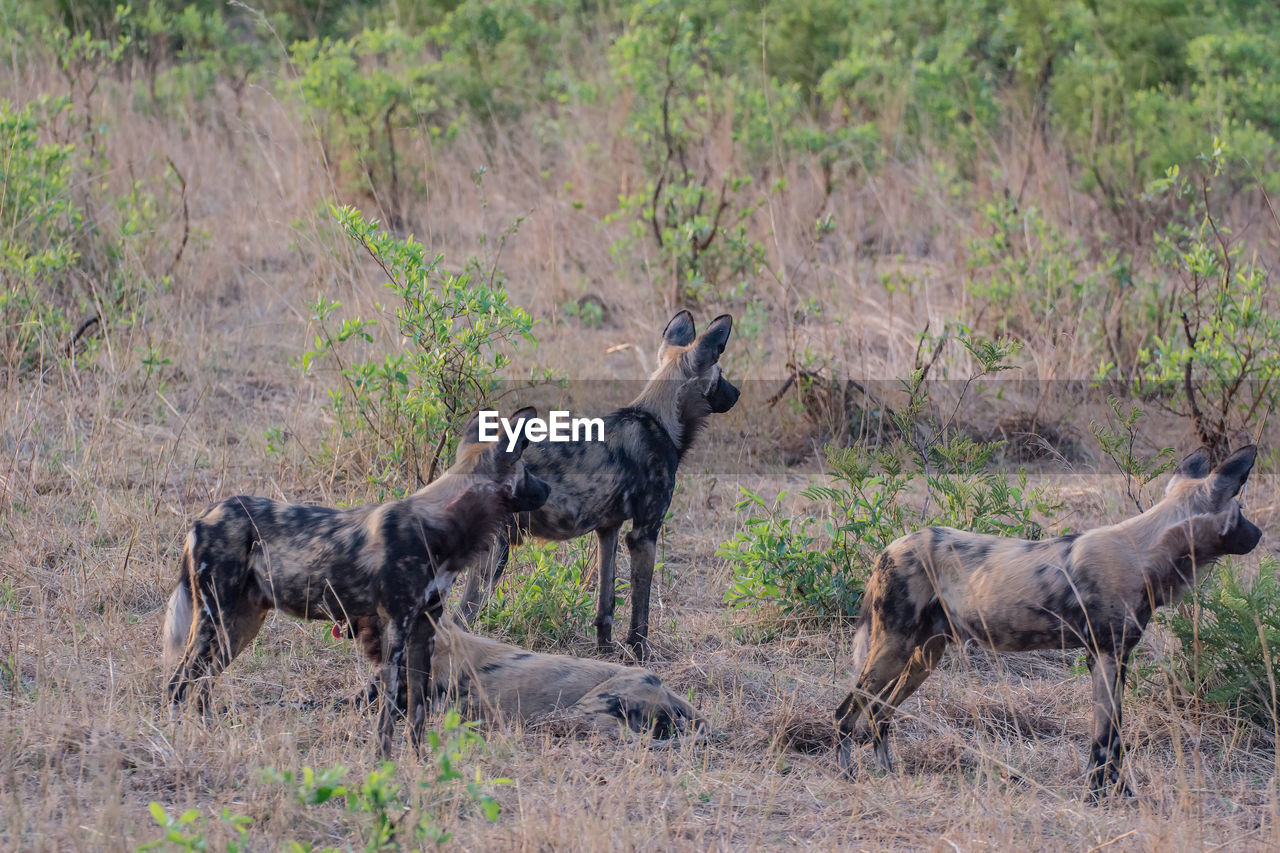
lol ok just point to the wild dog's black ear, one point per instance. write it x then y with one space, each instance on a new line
522 439
471 432
711 344
680 331
1230 476
1198 463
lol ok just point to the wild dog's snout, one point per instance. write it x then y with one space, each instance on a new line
1242 538
723 397
531 494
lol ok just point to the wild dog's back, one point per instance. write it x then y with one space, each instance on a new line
1006 593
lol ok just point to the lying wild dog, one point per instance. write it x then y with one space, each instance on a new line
596 486
394 562
1095 590
493 679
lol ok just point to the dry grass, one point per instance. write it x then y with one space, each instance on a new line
102 468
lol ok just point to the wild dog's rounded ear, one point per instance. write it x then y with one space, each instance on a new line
1230 476
1197 464
471 432
517 422
680 331
711 344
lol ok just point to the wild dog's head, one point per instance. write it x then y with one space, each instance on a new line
1205 501
494 469
689 384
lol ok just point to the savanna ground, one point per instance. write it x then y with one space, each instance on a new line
190 218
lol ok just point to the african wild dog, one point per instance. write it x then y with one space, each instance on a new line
393 561
493 679
629 476
1094 590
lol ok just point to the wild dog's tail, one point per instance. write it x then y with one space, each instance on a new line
862 638
177 617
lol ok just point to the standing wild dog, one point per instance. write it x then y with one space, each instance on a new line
393 562
596 486
498 680
1094 590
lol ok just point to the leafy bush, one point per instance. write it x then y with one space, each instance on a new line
548 604
65 252
187 52
1029 279
1230 638
38 236
1214 354
365 92
921 72
870 501
670 58
452 333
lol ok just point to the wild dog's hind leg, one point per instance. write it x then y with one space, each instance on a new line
608 541
864 714
1107 750
418 648
643 545
393 662
220 632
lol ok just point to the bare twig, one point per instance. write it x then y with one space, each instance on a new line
186 218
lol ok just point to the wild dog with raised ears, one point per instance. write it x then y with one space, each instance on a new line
1094 590
630 476
393 562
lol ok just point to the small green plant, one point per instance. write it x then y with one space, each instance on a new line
453 335
545 600
187 831
379 802
1118 439
1230 636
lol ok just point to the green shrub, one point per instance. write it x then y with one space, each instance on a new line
1029 279
39 224
1230 638
453 334
673 61
1212 351
930 475
67 251
921 72
365 93
548 603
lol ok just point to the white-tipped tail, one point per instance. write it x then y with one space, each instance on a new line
177 617
177 625
861 642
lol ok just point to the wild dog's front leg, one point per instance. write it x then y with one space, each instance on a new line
393 661
1106 752
643 545
419 645
608 541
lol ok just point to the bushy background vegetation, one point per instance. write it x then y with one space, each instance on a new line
287 247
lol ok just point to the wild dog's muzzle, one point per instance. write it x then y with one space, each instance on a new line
723 397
